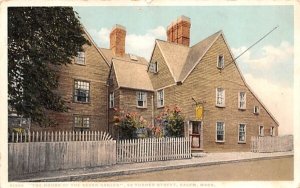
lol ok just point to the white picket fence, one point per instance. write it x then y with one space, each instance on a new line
33 157
272 143
58 136
153 149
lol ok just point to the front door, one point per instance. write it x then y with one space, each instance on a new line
195 132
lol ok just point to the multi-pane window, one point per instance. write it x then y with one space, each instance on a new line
242 133
220 62
82 91
220 133
80 59
256 110
160 98
153 67
261 130
81 122
220 97
242 100
112 100
141 99
272 131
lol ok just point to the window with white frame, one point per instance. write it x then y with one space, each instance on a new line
242 133
141 99
81 121
153 67
112 100
220 132
81 91
80 59
242 100
256 110
160 98
220 97
220 62
261 130
272 131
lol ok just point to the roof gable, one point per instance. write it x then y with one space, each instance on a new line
196 53
174 55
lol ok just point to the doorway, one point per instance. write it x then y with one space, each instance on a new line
195 134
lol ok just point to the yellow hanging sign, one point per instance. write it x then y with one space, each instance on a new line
199 112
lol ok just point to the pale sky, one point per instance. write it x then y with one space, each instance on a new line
267 67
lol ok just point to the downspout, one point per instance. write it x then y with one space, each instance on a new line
107 107
152 97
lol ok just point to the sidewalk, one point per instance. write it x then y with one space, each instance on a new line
204 159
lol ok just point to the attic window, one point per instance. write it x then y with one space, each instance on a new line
80 59
153 67
256 110
133 57
220 62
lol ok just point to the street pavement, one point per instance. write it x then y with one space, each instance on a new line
202 159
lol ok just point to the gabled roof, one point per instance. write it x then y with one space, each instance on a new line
196 53
174 55
131 75
181 59
109 56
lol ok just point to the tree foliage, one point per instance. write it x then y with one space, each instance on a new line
40 41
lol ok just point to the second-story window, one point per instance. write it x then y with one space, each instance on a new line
220 62
82 91
141 99
220 97
80 59
160 98
112 100
242 100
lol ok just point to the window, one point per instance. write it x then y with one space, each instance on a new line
81 122
242 133
160 98
220 97
242 100
220 136
141 99
272 131
80 59
153 67
220 62
112 100
261 131
256 110
82 91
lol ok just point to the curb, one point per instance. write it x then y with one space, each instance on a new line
95 175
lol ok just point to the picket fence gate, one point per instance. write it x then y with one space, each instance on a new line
272 143
57 136
153 149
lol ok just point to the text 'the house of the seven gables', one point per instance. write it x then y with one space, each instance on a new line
100 80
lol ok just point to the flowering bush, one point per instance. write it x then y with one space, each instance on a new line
172 121
128 123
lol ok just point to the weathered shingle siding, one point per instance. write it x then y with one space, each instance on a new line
163 77
94 71
128 102
202 83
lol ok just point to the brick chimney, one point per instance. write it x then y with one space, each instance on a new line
179 31
117 40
